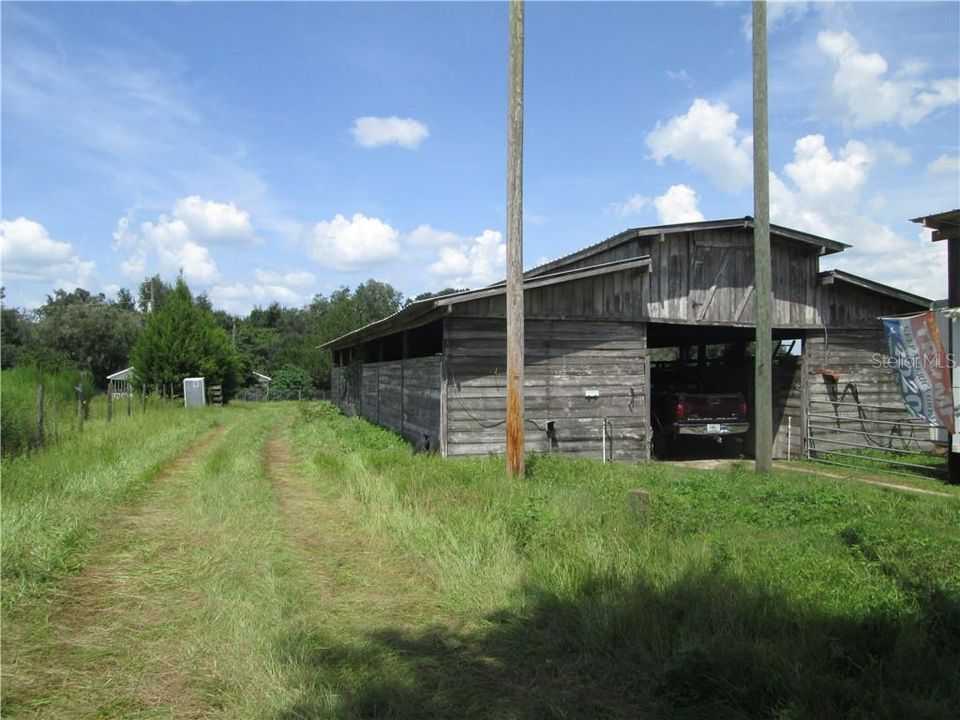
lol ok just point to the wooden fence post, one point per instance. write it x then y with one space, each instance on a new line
143 398
40 415
110 402
129 400
79 407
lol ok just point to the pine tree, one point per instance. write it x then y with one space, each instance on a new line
183 340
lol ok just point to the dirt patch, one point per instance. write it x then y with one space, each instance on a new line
868 480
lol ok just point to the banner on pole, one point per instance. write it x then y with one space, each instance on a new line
922 367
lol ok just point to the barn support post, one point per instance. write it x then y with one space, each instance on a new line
514 309
763 411
953 301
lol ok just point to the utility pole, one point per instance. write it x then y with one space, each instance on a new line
515 244
763 360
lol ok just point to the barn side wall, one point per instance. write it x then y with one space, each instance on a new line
576 374
403 396
851 398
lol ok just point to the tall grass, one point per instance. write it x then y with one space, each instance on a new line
369 581
55 499
732 595
18 405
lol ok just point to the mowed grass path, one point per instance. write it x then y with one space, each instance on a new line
293 563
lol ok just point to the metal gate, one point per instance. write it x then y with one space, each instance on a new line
878 437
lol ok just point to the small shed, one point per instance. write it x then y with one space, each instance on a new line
194 392
119 384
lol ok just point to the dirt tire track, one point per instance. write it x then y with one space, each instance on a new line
100 601
349 565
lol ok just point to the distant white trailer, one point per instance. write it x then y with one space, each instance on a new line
194 392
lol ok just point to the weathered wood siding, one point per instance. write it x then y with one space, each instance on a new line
403 396
695 277
847 306
864 399
342 394
614 296
563 360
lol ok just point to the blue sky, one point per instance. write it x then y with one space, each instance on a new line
274 151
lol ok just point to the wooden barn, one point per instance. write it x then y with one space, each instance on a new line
601 324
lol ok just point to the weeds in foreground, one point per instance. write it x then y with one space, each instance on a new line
347 577
732 595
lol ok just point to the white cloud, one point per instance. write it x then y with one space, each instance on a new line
239 298
707 138
820 192
945 164
293 279
353 244
680 76
30 255
861 93
214 222
631 206
678 205
371 132
178 241
426 235
480 261
826 181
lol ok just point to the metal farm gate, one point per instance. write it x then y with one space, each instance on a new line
853 434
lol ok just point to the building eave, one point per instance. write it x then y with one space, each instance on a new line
828 277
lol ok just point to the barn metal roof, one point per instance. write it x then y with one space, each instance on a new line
830 276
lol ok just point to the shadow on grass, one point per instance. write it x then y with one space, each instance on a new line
704 647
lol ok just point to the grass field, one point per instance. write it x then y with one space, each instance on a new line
270 562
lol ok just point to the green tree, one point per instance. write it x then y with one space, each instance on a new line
183 340
125 300
288 381
83 330
152 294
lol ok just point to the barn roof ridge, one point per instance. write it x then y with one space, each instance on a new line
851 279
828 247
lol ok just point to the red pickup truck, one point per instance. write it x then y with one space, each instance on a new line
699 417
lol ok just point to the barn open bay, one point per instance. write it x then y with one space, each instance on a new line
278 560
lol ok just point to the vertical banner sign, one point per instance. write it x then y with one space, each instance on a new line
922 370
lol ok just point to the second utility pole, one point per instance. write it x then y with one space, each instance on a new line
763 355
515 244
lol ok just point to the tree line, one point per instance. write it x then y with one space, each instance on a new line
167 333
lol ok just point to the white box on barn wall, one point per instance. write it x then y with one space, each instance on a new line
194 392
